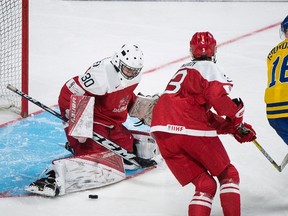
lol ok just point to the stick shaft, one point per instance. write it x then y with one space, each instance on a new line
279 168
96 137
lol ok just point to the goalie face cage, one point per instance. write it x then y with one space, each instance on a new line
14 54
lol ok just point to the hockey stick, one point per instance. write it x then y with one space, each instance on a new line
278 167
113 147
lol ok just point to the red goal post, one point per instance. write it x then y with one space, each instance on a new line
14 53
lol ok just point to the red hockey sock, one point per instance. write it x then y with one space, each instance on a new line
230 199
200 205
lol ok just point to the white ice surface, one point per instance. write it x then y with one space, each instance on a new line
66 37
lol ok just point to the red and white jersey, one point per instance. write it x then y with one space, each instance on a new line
184 106
112 100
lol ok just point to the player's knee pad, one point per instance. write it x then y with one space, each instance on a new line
229 175
206 184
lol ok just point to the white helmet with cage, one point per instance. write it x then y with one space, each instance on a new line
128 61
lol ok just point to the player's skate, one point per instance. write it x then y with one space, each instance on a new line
44 186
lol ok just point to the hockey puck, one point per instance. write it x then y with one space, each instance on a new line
93 196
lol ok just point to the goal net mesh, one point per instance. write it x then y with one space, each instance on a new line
11 53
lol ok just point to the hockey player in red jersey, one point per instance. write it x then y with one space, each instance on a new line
111 82
186 129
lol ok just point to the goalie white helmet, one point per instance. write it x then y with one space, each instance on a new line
128 61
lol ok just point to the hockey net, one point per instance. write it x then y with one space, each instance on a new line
14 54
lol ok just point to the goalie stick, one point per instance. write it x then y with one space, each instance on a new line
113 147
278 167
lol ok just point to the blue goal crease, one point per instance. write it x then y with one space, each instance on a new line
29 145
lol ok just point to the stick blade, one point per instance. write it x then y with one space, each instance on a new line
284 162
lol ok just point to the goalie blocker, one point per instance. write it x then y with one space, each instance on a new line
81 122
81 117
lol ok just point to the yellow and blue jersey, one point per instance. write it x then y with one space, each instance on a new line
276 93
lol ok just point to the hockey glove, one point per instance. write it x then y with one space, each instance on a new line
244 133
238 118
217 122
229 124
222 125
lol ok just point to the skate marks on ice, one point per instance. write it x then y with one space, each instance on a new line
28 146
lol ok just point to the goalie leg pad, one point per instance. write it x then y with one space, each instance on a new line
80 173
88 171
146 146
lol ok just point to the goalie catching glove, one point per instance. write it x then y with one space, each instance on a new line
143 107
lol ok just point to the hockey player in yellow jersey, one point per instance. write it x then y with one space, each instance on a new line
276 94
